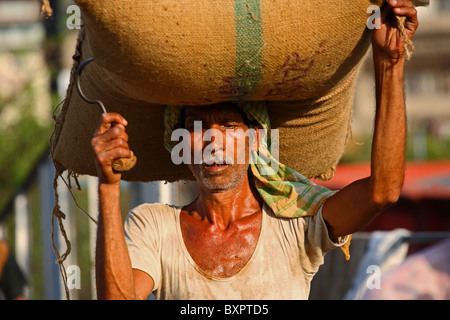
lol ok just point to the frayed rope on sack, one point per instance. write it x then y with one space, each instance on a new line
46 12
407 43
401 21
59 170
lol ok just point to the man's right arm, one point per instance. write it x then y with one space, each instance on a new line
115 277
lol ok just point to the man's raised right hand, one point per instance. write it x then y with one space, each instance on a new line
110 142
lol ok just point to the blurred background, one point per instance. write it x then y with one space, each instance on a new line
35 61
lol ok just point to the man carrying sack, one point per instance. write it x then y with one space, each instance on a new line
232 241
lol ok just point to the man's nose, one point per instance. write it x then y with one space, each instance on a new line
214 138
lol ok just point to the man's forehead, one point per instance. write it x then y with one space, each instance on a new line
220 110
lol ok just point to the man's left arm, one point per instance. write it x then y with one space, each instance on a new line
353 207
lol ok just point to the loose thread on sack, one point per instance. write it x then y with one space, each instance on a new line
60 216
326 176
54 137
407 43
74 176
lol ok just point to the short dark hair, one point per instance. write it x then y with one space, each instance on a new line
249 123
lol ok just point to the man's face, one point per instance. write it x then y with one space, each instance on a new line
222 144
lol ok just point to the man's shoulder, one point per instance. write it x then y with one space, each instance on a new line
152 218
155 208
297 226
278 219
154 211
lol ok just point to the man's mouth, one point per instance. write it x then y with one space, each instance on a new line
216 163
215 167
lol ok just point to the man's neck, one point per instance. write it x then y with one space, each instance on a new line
227 206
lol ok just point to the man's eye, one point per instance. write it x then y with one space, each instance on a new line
230 125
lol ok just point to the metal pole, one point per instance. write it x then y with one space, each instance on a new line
92 189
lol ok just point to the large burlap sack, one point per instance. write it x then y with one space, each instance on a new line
197 52
302 57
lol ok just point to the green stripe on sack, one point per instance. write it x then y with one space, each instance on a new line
249 48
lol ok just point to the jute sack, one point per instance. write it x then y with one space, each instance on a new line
302 57
201 52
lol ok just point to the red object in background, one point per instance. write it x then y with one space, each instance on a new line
425 200
424 205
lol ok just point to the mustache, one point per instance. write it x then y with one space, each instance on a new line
217 158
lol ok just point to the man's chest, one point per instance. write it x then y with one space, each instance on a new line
271 268
221 253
